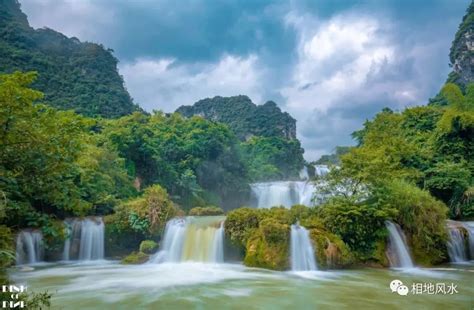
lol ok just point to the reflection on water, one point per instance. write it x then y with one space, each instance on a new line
108 285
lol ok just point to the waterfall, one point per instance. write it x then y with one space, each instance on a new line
399 255
456 248
29 247
197 239
304 175
85 239
302 252
283 193
321 170
470 235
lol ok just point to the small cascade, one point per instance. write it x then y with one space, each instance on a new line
470 235
398 253
29 247
304 175
456 243
85 239
197 239
321 170
302 252
283 193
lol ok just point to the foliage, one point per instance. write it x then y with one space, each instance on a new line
421 217
360 225
209 210
191 158
243 117
148 214
272 158
240 223
54 164
73 75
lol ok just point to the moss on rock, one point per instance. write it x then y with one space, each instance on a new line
135 258
148 246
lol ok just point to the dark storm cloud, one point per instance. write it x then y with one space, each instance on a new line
330 63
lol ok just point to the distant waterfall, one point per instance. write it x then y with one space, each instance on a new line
456 242
461 241
304 175
85 239
302 252
283 193
197 239
321 170
29 247
470 234
399 255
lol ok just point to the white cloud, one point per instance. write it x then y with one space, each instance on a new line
165 84
348 66
84 19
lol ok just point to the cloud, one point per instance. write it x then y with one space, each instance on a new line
330 64
348 68
166 83
84 19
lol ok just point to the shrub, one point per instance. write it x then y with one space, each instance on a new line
148 246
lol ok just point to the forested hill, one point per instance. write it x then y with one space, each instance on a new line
462 51
244 117
73 75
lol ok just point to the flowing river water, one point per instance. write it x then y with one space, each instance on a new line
110 285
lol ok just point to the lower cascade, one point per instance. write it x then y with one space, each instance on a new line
302 252
85 239
29 247
398 253
282 193
196 239
461 241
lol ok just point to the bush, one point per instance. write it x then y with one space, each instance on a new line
240 223
148 246
422 218
203 211
359 225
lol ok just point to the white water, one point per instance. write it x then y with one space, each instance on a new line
304 175
196 239
85 241
29 247
321 170
399 254
283 193
302 252
456 248
470 234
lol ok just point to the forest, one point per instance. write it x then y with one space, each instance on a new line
66 152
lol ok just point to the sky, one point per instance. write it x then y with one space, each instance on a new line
331 64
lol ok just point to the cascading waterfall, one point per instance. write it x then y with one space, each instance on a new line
29 247
302 252
456 248
399 255
470 235
283 193
456 244
85 239
321 170
197 239
304 175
